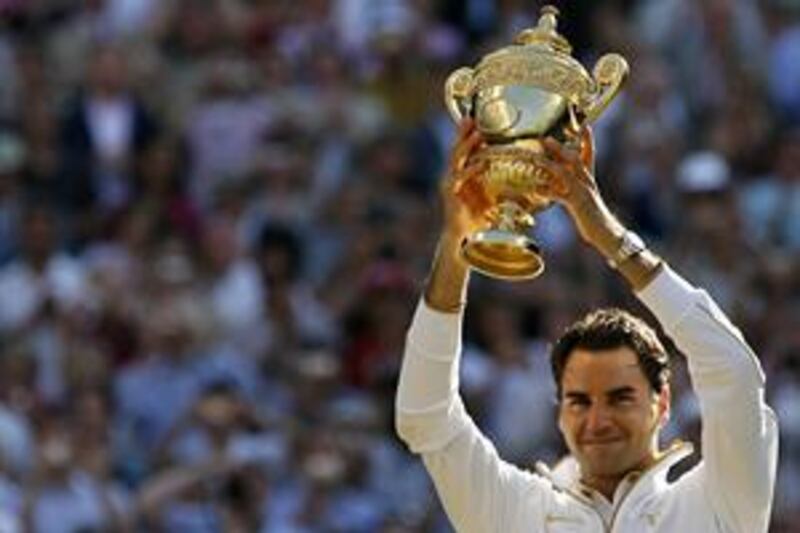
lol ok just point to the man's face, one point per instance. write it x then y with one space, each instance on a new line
609 414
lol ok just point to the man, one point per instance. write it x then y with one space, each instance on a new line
613 390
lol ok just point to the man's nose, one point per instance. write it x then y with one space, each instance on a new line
598 419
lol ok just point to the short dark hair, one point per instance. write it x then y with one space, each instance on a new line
278 236
607 329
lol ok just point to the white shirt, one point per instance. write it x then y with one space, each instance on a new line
111 124
76 505
23 289
730 490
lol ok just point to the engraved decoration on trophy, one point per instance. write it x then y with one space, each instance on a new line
517 96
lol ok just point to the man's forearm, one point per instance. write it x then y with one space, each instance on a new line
602 230
447 284
638 270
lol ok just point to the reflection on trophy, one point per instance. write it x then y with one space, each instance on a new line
517 96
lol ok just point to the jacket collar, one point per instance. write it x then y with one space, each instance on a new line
566 474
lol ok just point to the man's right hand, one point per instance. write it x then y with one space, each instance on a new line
464 200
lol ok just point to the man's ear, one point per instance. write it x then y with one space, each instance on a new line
664 405
559 416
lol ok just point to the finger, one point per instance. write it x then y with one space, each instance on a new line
587 147
568 151
465 149
473 169
585 152
473 142
572 173
473 195
554 150
465 127
471 172
553 182
471 192
571 150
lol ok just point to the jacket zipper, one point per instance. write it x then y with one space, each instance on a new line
582 501
637 482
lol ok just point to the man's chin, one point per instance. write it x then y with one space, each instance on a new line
604 460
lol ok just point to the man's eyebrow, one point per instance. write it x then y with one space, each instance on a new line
578 395
626 390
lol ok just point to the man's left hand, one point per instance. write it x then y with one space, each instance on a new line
571 183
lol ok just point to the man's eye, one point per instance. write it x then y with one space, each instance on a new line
624 400
578 402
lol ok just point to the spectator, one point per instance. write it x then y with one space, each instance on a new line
105 131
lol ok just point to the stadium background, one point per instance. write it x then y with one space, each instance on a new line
216 215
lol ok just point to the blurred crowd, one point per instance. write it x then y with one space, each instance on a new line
216 216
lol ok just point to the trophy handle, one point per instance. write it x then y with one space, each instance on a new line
458 93
610 73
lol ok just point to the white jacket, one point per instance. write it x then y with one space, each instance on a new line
729 491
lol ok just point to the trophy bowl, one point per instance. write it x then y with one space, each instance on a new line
518 95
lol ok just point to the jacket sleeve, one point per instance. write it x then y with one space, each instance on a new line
739 435
478 490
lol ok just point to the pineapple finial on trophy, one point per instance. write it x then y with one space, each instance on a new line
545 32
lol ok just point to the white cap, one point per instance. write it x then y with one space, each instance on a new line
703 172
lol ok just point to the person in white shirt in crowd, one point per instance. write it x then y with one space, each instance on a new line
41 287
613 392
41 280
62 496
232 282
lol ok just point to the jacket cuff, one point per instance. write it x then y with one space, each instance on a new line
436 334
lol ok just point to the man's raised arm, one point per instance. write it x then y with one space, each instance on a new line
475 486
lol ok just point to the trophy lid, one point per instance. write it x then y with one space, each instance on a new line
539 57
545 33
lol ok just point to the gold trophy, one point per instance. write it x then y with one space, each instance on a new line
517 96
